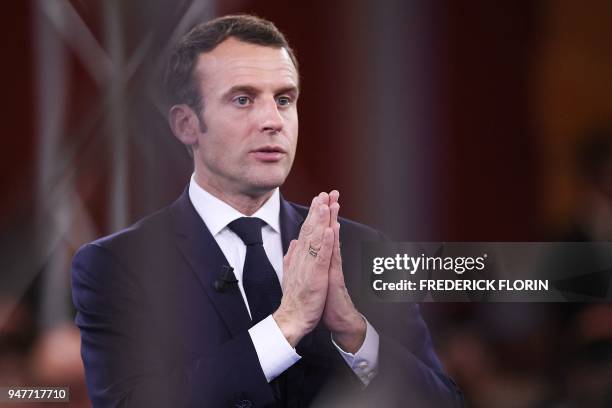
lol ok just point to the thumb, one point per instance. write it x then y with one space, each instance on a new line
287 258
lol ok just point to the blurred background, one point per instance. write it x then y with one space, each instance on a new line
436 120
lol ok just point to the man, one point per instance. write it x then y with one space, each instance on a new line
186 308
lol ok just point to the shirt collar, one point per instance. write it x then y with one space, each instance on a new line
216 213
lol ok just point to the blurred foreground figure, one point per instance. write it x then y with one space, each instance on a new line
593 215
233 296
54 360
587 370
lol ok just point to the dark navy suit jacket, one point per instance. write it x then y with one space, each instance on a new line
156 333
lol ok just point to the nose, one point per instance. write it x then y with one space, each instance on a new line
269 116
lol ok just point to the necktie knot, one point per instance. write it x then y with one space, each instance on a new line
248 229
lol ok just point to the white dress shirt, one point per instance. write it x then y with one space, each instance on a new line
274 352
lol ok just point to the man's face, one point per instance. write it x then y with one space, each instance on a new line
250 124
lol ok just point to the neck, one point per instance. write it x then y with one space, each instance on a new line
247 204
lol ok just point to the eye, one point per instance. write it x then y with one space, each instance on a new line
242 100
284 101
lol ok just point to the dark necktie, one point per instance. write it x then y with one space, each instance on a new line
259 279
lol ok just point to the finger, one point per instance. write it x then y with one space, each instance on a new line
321 223
311 235
311 219
334 208
324 256
336 229
334 195
315 216
336 259
324 197
323 210
308 225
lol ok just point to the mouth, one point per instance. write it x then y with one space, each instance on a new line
269 153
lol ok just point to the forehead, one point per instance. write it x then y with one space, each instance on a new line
234 62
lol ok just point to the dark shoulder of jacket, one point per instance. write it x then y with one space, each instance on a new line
350 228
148 234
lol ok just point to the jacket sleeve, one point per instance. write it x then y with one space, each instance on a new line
409 370
409 373
123 362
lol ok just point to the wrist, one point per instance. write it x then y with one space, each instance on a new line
351 335
290 328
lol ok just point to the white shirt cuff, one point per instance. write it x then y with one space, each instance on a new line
274 352
364 362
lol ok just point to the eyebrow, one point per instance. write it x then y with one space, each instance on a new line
251 90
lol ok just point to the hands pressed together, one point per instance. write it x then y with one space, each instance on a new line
313 281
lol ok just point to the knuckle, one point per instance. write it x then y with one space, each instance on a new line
307 229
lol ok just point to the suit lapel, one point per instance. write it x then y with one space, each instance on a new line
206 259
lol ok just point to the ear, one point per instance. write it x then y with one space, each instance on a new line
184 124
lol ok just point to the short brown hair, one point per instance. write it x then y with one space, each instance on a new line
180 84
